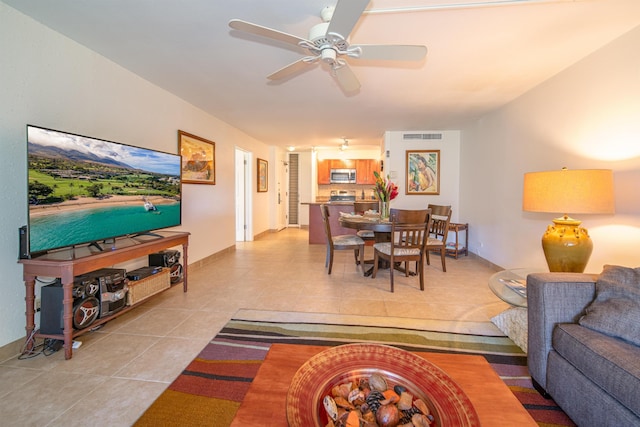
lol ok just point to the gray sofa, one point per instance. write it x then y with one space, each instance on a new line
591 372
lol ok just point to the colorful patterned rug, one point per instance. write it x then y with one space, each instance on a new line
209 391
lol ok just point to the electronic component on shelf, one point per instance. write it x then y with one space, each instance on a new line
143 272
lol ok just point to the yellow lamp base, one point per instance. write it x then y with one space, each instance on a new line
567 246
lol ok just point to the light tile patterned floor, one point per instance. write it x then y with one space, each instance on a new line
120 369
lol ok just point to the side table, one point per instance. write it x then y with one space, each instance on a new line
510 287
455 250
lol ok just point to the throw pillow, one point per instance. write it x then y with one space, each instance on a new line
616 309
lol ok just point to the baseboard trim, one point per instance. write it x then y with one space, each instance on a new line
11 350
486 262
211 258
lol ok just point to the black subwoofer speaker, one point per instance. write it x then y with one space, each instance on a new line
164 258
51 309
168 258
85 309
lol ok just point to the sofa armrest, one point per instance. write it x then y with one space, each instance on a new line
553 298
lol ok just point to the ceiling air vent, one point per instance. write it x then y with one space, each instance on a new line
422 136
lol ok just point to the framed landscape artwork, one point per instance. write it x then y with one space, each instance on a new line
423 172
263 183
198 159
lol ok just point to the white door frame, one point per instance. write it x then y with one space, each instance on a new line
244 219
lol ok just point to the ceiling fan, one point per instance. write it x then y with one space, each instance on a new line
328 43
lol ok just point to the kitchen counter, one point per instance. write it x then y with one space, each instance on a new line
329 202
316 226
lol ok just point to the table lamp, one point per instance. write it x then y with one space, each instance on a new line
566 245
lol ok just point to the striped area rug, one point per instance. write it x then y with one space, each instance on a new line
213 385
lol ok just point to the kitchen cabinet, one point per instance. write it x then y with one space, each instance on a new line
365 169
325 166
343 164
324 172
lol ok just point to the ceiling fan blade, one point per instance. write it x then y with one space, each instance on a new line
345 16
391 52
259 30
346 78
291 69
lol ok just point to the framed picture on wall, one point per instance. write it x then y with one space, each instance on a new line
423 172
198 159
263 184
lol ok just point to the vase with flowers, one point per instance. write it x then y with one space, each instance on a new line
386 192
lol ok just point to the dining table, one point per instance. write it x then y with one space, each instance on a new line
381 227
381 230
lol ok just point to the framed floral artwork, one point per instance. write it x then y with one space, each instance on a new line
423 172
198 159
263 183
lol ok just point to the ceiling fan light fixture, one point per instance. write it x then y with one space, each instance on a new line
328 56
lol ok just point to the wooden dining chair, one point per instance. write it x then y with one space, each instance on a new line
407 244
438 231
359 208
340 242
409 216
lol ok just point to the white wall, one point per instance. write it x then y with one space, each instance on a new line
51 81
396 165
588 116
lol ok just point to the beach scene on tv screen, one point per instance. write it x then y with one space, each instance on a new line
83 189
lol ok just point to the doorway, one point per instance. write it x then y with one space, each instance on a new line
293 193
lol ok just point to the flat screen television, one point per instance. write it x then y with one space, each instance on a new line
85 190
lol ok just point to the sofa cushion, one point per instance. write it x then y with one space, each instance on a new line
609 362
616 308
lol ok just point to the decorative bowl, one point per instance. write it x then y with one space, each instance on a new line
448 404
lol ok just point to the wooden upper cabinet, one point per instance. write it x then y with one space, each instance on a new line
365 169
342 164
324 171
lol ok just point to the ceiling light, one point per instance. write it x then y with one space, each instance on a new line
291 148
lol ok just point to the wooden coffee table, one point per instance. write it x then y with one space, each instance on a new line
265 402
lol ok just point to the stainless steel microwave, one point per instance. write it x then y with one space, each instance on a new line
343 176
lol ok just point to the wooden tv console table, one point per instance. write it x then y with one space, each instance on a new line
68 263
